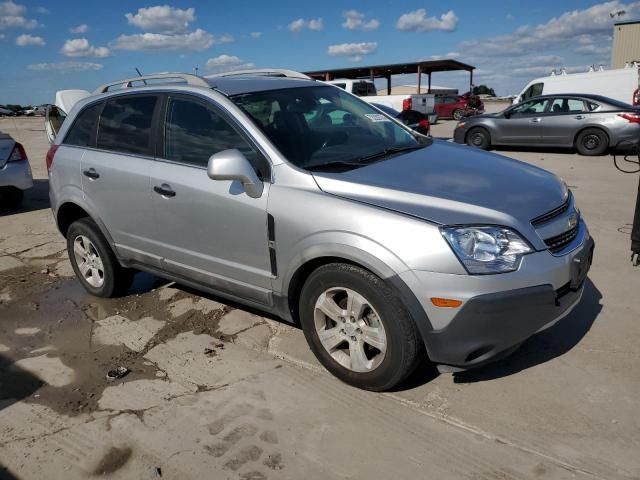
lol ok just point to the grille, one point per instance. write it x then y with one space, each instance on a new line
558 242
544 218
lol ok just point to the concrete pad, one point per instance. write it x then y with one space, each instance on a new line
46 250
141 394
7 263
167 293
49 369
256 337
4 348
64 269
185 305
237 321
289 343
118 330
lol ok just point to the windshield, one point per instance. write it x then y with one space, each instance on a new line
323 125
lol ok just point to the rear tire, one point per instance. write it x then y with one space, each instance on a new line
94 263
11 197
592 142
478 137
457 114
369 340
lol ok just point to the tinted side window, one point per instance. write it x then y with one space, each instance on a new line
82 132
125 125
194 132
533 91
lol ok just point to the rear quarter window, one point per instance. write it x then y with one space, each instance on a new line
126 124
82 132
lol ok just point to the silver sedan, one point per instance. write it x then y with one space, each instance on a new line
591 124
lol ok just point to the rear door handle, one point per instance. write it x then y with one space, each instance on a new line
579 117
165 190
91 173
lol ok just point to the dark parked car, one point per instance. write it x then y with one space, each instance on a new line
453 106
590 123
415 120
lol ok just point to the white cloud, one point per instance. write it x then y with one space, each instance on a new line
300 24
509 17
593 49
162 19
196 40
82 28
354 20
80 47
417 21
25 40
256 34
353 51
42 10
1 36
589 25
12 15
227 63
445 56
66 66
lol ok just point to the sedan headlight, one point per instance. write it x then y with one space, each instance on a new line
485 250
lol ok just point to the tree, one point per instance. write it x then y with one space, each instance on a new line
483 90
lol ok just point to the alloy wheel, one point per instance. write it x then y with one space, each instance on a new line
350 329
88 260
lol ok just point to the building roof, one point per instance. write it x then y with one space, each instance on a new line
630 22
392 69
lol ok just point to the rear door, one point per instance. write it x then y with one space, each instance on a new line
209 231
521 125
115 173
566 116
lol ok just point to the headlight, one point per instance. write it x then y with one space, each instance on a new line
484 250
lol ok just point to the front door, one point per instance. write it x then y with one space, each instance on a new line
209 231
522 124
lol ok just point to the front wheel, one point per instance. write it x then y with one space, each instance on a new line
479 138
358 328
592 142
93 261
458 114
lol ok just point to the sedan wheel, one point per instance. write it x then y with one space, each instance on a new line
350 329
591 142
479 138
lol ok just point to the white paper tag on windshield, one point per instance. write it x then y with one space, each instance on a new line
376 117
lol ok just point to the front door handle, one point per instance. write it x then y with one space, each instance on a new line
91 173
535 120
164 190
579 117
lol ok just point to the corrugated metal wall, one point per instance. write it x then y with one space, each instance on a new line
626 44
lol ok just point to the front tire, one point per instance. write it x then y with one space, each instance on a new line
93 261
478 137
592 142
358 328
457 114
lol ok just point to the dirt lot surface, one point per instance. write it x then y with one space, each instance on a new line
215 391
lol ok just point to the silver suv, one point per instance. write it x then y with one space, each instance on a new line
297 198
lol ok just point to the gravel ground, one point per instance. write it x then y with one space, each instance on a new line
216 391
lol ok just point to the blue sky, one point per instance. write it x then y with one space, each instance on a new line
47 46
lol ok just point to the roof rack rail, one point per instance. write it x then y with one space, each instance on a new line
126 83
263 72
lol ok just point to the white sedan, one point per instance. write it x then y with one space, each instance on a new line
15 172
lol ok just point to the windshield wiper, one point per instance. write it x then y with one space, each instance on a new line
388 151
337 164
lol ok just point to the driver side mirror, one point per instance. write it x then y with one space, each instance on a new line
233 165
506 114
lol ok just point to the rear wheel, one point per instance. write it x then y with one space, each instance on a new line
357 327
479 138
457 114
10 197
591 142
93 261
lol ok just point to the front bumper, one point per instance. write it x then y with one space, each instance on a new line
459 134
501 311
16 174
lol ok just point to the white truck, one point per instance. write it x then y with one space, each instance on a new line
620 84
366 89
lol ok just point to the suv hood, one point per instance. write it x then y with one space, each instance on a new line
451 184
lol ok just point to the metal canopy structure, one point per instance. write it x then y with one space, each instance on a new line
386 71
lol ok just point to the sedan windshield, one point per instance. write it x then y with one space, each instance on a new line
325 127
